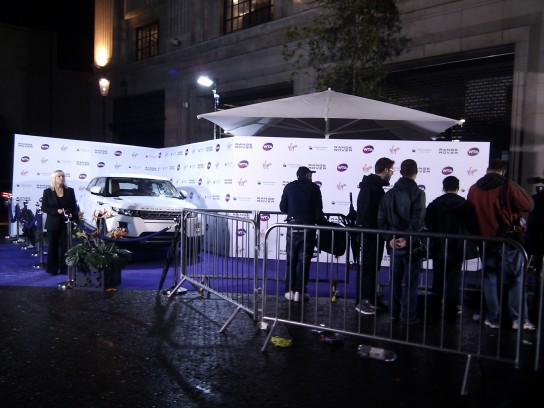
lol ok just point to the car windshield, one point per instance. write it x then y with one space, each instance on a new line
126 186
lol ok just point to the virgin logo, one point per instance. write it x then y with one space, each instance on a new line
267 147
447 170
264 217
44 146
243 164
25 159
368 149
82 176
241 232
342 167
100 164
473 151
118 153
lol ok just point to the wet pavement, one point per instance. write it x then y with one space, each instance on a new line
139 348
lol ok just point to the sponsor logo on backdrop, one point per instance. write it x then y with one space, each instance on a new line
319 184
448 151
425 170
471 171
134 167
266 165
422 150
266 200
292 147
24 173
473 151
266 183
63 148
152 156
64 161
208 166
217 165
340 185
268 146
44 146
150 168
242 182
421 186
186 152
117 165
342 148
217 147
100 151
199 166
82 163
241 232
24 145
134 155
209 149
227 181
178 167
342 167
264 216
446 171
118 153
239 145
227 198
243 164
367 168
24 185
394 149
318 148
79 149
100 164
368 149
25 159
199 182
82 176
318 167
229 164
44 160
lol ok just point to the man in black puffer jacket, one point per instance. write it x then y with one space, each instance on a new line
403 209
450 214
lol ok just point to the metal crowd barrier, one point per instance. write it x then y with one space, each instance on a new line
241 258
467 336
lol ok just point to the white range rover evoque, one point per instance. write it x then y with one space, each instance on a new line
143 205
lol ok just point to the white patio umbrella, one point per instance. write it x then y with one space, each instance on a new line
330 114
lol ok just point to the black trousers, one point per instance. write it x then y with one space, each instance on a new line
57 245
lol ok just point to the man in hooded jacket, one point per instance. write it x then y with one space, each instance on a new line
498 204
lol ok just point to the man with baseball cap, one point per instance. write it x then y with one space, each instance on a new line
302 202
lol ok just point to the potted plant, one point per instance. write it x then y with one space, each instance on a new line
97 261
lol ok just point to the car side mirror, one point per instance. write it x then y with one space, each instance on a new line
96 190
183 194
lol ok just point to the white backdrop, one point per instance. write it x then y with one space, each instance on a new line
244 172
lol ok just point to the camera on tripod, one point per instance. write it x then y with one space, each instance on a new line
537 180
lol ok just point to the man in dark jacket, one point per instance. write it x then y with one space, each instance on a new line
450 214
403 209
498 204
370 193
302 202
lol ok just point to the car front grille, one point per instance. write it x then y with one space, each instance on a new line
159 215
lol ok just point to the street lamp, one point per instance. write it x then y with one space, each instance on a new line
104 86
205 80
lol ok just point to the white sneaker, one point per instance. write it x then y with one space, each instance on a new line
290 295
298 297
526 325
491 325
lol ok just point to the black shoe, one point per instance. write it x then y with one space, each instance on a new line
379 304
52 273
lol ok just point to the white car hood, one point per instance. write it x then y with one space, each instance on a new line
151 203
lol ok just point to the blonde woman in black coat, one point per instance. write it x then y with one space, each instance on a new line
58 202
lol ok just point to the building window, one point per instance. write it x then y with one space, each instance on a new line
240 14
147 41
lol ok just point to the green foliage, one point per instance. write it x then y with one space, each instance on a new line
346 47
96 252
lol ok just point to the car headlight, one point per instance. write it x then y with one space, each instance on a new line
128 213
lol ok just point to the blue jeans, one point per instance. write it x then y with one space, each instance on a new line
510 273
404 285
300 249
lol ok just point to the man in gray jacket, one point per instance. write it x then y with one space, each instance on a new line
402 209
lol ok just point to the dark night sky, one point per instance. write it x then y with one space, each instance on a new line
73 20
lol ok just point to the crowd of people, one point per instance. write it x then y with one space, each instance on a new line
494 207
